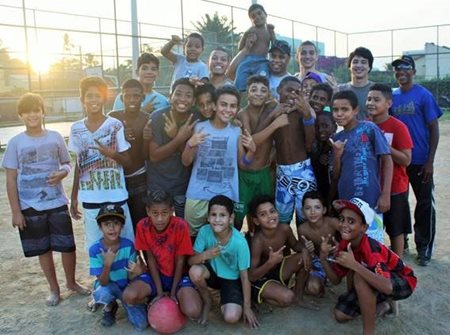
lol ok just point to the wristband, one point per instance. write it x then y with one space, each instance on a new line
246 161
66 167
309 122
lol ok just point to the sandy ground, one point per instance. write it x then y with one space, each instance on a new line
23 288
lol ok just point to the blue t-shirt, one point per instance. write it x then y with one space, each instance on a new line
159 101
118 274
416 108
215 168
234 256
185 69
360 167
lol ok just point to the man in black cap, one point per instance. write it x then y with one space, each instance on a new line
279 57
415 106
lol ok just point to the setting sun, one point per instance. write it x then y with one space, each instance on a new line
40 62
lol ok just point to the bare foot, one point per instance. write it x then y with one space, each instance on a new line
78 288
53 299
203 321
383 309
92 306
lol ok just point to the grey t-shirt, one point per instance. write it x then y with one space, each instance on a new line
361 93
35 158
169 174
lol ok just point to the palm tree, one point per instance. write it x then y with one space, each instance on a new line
217 30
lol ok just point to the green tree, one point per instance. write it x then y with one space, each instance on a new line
217 30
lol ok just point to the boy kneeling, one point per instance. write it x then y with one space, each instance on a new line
379 275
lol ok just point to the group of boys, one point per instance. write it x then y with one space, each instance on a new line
197 157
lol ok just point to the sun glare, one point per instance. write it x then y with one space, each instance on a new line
40 62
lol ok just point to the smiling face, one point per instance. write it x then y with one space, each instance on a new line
377 105
404 75
132 98
344 114
93 100
193 49
160 214
147 73
227 106
351 226
278 62
218 62
182 98
313 210
220 219
325 127
33 118
205 104
307 57
359 67
318 100
257 94
266 216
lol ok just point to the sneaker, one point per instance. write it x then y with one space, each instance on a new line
109 314
422 260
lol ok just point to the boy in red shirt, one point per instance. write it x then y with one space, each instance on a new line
166 243
379 275
397 220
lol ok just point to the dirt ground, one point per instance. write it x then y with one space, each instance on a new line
23 288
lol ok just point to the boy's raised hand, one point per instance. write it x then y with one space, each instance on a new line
147 133
328 246
308 244
135 268
149 107
247 141
199 137
338 147
176 39
346 258
212 253
170 126
108 256
104 150
187 128
129 133
275 257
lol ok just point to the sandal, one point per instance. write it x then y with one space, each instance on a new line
109 317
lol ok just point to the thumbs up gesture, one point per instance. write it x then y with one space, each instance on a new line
346 258
308 244
275 257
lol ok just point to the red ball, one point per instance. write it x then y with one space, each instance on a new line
165 316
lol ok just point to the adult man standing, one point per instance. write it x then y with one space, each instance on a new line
360 63
415 106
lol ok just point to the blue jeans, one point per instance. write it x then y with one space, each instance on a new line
137 314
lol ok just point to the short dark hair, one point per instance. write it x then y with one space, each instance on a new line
182 81
307 43
147 58
346 95
256 6
227 89
323 87
196 35
287 79
132 83
361 52
203 89
257 201
258 79
313 195
28 101
159 197
93 81
328 116
385 90
222 200
223 49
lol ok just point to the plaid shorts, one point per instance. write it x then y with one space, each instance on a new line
348 302
47 230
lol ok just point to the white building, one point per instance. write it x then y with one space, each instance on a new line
427 61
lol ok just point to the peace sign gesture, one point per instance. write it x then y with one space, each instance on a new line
170 125
198 138
275 257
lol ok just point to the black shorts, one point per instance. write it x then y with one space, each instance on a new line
348 302
398 219
47 230
230 289
275 275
